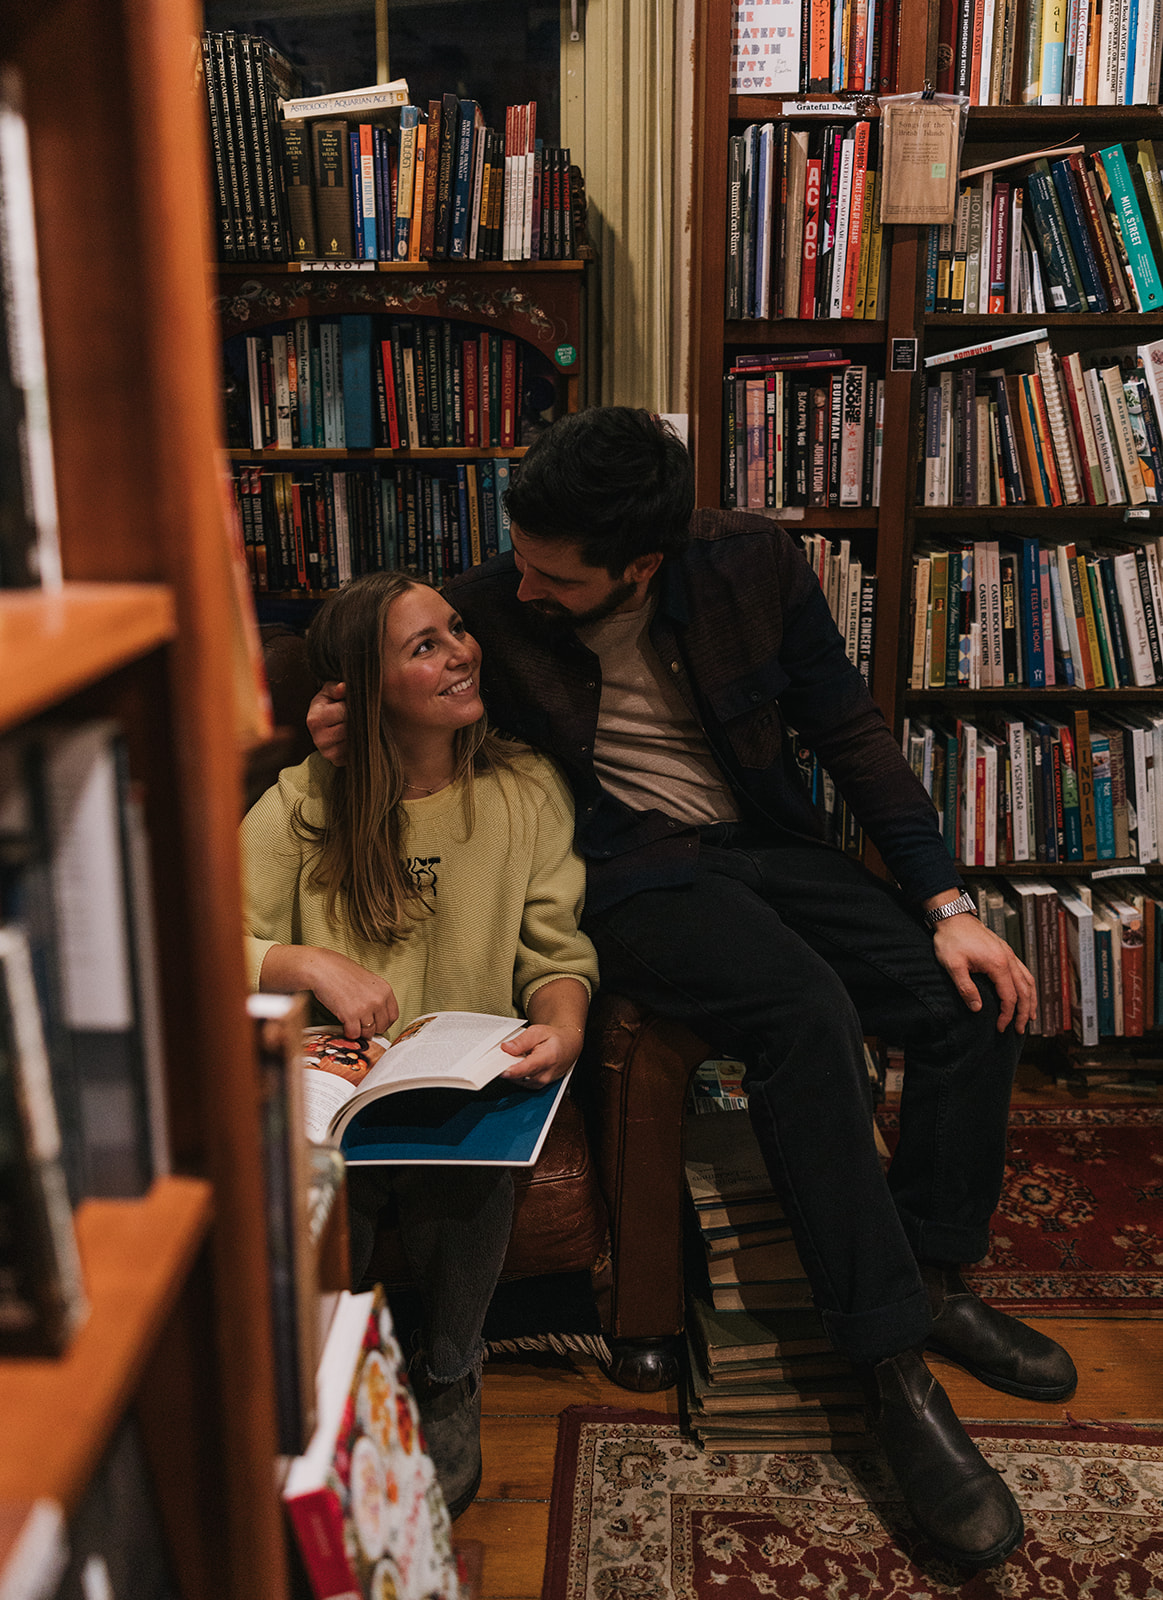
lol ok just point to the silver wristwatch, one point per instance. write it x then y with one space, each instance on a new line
953 908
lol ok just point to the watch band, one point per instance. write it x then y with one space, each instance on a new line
953 908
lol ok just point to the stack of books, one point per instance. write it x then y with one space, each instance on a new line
762 1374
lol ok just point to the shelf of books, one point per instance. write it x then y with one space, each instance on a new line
1030 664
401 295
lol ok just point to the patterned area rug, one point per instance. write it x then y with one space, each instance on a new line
640 1513
1080 1223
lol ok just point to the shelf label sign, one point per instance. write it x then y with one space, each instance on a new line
339 266
565 355
904 355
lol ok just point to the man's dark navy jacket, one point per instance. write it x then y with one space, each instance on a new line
743 625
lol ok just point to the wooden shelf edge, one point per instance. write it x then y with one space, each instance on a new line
257 269
60 1414
54 644
271 458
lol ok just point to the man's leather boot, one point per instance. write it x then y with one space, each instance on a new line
957 1500
994 1348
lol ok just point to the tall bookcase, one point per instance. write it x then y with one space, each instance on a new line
179 1328
718 114
894 529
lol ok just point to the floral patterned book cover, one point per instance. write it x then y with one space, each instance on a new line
363 1499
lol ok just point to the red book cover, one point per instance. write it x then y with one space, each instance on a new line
363 1500
855 220
858 53
1063 964
390 394
975 57
1132 978
1076 423
484 436
471 395
979 821
508 393
888 28
811 237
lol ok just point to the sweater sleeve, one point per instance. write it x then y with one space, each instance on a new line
551 944
272 863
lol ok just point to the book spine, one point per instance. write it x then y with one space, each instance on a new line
1143 267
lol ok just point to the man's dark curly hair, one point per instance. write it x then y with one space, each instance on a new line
614 480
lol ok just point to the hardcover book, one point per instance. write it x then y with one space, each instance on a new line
363 1499
442 1070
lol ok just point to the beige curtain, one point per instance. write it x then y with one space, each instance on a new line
626 99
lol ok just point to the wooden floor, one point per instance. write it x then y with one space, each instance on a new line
1119 1360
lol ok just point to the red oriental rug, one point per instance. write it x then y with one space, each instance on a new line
641 1513
1079 1227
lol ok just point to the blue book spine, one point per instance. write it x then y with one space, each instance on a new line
462 504
1144 269
1063 176
385 231
357 197
486 478
402 221
1062 277
462 182
1105 979
438 573
931 269
1131 23
389 516
1030 593
501 472
1104 815
356 371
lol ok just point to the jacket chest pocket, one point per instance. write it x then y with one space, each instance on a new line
749 711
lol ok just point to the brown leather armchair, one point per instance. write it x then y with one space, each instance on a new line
605 1197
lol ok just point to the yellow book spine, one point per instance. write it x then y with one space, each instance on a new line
1091 630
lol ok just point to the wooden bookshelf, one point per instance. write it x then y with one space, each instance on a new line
180 1330
55 644
136 1256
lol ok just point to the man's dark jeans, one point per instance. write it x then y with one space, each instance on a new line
783 954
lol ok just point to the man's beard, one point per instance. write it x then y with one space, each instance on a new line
555 612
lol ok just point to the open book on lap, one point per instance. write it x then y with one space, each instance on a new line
428 1096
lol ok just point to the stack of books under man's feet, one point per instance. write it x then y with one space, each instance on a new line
762 1375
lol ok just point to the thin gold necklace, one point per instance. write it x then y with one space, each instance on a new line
408 784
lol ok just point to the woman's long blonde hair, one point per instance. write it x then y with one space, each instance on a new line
361 856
